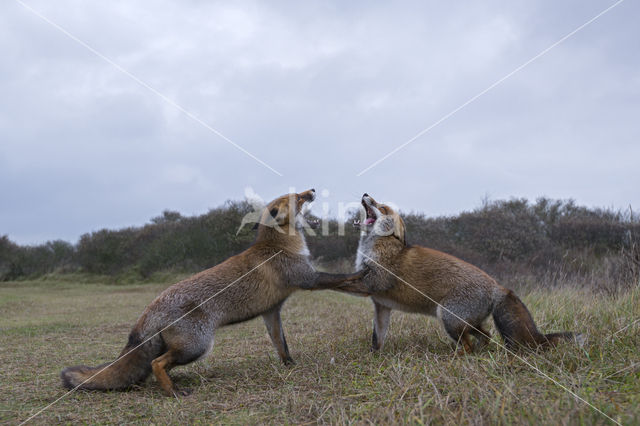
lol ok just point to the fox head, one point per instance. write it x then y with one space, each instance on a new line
287 210
381 219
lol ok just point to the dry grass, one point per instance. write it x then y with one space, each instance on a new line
46 326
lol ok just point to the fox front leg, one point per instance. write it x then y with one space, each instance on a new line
354 287
274 327
324 281
381 319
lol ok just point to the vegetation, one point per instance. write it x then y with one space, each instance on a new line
549 240
416 378
575 268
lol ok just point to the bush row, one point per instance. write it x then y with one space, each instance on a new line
513 235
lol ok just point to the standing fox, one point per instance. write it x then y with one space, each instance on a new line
254 282
422 280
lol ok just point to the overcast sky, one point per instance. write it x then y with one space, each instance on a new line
318 91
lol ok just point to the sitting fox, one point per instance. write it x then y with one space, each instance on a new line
427 281
178 326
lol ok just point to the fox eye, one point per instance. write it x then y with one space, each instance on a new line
273 212
383 210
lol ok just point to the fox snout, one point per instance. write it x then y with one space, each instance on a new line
368 201
309 195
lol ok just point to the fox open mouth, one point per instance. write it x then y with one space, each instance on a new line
307 217
369 220
311 221
371 215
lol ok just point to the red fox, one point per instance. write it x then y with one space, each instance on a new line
254 282
461 295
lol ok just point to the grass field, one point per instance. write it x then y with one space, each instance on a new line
47 325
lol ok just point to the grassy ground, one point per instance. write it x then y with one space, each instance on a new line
45 326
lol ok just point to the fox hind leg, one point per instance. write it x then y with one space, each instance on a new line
457 329
183 347
482 336
160 367
460 335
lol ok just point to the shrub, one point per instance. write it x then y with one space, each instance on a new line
551 239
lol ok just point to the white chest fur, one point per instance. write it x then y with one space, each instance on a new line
365 253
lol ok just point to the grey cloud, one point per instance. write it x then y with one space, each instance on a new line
317 90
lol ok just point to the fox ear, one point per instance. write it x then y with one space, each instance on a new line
400 230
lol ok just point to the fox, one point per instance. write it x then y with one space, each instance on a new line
178 327
417 279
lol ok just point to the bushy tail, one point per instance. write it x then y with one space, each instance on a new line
516 326
132 366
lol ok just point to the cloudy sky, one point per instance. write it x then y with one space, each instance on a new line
127 113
